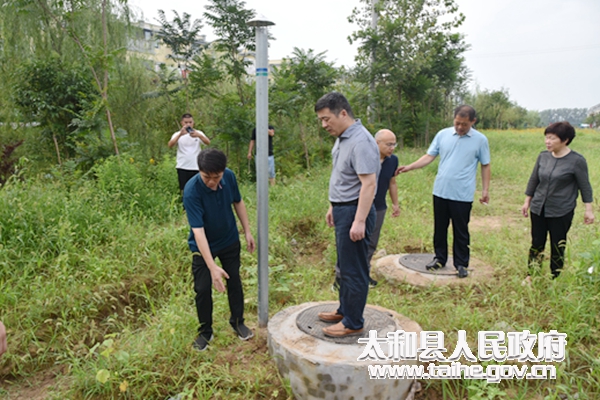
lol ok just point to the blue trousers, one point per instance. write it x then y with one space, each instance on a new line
354 267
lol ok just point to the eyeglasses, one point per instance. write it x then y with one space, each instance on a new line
392 145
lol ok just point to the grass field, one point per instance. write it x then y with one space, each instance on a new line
96 289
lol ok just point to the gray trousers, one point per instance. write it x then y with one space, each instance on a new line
379 218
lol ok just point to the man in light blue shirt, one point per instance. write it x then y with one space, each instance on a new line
460 149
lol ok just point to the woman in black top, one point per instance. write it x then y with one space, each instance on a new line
557 176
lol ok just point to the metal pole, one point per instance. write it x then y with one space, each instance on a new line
371 106
262 178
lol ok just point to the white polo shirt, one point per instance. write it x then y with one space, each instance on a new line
188 149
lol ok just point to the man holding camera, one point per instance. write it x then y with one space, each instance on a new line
188 141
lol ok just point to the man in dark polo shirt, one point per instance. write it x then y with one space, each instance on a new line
208 198
352 185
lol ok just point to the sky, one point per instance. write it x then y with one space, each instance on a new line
545 53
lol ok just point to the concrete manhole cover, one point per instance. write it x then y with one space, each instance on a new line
308 322
417 262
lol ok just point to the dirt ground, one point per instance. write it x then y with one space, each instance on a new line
493 222
37 387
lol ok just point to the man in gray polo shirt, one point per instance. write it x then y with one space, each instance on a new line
352 185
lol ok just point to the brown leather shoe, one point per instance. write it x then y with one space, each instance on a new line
339 330
327 316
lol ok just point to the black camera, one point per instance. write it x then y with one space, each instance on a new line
189 129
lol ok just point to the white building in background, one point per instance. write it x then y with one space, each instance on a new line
144 42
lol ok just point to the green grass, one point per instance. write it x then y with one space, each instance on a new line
96 286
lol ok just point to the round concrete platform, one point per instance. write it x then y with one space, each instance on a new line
324 369
418 263
410 268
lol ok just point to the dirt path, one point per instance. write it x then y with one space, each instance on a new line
38 387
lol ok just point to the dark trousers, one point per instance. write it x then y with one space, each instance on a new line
183 176
354 268
379 218
230 261
558 228
459 212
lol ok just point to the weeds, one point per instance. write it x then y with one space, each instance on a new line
95 279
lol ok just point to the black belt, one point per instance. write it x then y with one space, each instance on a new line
345 203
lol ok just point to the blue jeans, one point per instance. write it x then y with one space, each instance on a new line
354 267
379 218
271 167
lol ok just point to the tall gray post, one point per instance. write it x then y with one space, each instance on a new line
371 106
262 163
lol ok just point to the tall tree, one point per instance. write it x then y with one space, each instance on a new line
492 108
229 20
182 36
99 60
53 94
400 56
297 84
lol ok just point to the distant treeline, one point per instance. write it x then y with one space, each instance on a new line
575 116
496 110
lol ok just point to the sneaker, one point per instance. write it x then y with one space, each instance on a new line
434 265
336 285
372 283
201 343
462 271
243 332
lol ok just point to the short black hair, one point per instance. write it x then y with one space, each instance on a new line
212 161
336 102
186 115
564 131
465 111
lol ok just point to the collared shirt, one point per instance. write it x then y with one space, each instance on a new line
188 148
211 210
459 156
354 153
388 169
555 182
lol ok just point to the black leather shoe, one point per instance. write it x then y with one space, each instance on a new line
462 271
434 265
